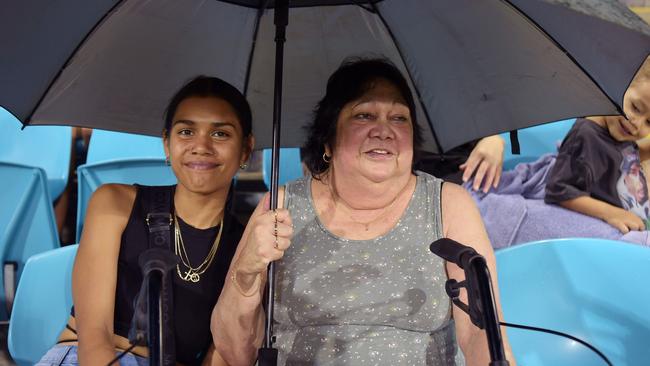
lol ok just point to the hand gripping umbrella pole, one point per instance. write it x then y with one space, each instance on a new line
267 355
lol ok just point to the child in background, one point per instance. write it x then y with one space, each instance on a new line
599 171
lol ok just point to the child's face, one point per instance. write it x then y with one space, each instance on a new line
636 105
622 129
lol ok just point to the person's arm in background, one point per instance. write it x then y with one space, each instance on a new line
485 163
462 223
566 187
237 322
94 277
571 181
619 218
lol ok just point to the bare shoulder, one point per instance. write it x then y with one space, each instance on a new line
456 201
113 198
109 209
453 190
460 217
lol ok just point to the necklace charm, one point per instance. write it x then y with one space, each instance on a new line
194 277
185 277
190 276
193 274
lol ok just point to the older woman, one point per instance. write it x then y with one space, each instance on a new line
357 283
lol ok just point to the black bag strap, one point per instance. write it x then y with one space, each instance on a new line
157 208
157 204
514 143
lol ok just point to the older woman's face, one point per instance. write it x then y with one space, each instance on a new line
374 135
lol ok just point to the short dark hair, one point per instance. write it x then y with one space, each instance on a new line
349 82
209 86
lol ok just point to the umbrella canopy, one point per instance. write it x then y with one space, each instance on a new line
478 67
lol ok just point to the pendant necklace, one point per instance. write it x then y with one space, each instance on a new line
193 274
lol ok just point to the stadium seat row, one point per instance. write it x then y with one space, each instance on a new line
587 288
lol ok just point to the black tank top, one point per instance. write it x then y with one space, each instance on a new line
193 302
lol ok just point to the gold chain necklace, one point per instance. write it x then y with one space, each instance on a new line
193 274
366 225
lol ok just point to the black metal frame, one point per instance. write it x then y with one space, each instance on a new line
267 355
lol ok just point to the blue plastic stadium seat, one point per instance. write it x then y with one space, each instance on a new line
45 147
42 306
115 157
110 146
535 141
593 289
27 224
290 166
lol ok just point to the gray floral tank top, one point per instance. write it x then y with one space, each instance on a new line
364 302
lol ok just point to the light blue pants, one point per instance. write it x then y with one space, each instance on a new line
61 355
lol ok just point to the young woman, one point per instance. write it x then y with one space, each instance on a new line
207 138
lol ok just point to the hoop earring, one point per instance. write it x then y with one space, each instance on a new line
243 166
327 158
167 161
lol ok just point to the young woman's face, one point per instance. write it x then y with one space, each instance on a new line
374 135
206 145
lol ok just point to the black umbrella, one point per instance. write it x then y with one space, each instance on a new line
478 67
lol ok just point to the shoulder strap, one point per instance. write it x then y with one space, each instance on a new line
515 149
157 208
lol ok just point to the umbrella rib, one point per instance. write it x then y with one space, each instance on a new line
301 3
65 64
260 11
363 6
564 51
417 91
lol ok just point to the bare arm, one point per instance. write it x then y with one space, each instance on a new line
238 318
619 218
213 358
94 275
462 222
485 163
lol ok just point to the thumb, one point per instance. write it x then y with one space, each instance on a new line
266 202
263 206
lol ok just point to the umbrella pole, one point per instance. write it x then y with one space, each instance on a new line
267 355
